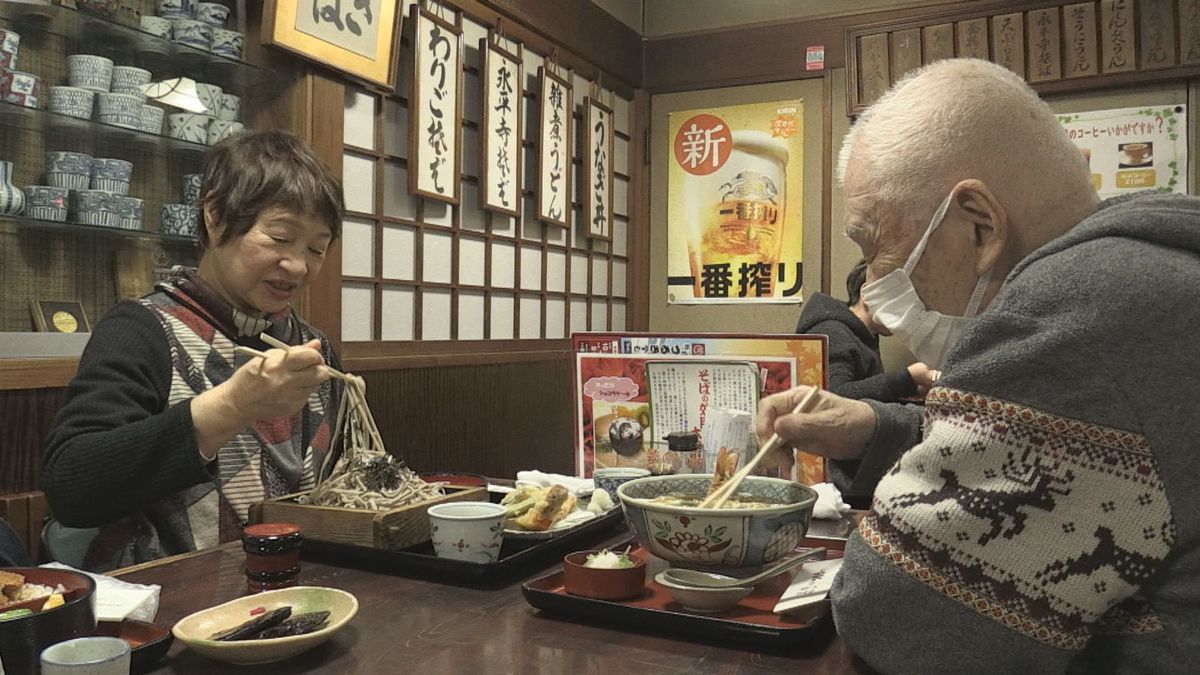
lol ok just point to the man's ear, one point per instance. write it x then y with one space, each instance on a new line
991 228
210 224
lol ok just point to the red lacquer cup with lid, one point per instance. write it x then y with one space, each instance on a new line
272 555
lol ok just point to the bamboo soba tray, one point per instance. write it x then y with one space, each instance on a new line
388 530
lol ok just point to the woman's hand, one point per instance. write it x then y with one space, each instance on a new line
262 389
923 376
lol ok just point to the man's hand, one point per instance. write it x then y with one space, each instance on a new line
923 376
836 427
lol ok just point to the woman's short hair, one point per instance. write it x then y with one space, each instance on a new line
253 171
854 282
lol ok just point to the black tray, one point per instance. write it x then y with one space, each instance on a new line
518 557
752 624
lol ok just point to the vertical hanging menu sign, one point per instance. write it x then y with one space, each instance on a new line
597 168
500 165
436 126
554 149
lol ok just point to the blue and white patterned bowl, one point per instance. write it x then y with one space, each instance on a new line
129 80
717 538
212 13
88 71
230 108
130 211
192 127
47 196
219 130
611 478
111 175
151 120
71 170
121 110
180 219
192 33
72 101
227 43
191 188
94 207
210 96
156 25
176 9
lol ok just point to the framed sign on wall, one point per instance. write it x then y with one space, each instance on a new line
358 37
597 168
434 169
554 149
500 163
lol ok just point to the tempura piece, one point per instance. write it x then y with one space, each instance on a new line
727 462
554 504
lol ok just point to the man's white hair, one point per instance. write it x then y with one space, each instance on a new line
966 118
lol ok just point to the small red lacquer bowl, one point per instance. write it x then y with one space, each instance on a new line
602 583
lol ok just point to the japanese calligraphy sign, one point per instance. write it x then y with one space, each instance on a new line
734 230
358 37
633 388
1132 149
554 149
1156 33
1079 28
500 164
436 108
597 168
1117 37
1043 33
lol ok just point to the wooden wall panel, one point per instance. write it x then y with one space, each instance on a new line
1117 39
1008 42
905 52
1156 33
1189 31
1079 37
937 42
972 38
1045 56
25 417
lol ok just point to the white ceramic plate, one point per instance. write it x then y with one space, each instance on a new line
575 519
194 629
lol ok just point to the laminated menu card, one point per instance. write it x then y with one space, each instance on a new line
614 390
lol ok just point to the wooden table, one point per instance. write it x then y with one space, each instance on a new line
421 626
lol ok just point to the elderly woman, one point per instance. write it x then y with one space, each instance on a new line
167 436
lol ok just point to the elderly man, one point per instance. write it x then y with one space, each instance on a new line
1048 519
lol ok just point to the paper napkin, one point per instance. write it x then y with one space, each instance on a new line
118 600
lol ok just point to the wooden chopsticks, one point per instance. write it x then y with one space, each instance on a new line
718 498
279 344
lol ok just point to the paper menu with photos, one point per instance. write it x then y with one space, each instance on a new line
613 421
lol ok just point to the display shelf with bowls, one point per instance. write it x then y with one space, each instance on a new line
69 227
146 48
46 121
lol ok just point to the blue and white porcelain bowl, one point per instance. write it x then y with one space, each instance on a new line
130 211
88 71
129 80
230 108
735 538
191 188
10 43
46 202
227 43
72 101
609 479
94 207
192 33
111 175
219 130
72 170
176 9
151 120
157 25
180 219
121 110
18 88
212 13
191 127
210 96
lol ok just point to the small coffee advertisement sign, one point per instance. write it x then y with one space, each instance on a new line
735 203
1132 149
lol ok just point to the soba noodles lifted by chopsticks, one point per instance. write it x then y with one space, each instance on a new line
365 475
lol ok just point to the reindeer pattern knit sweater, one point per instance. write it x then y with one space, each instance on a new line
1049 521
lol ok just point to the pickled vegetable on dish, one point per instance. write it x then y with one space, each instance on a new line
276 623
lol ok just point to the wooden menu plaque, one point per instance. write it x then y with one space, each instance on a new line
1117 40
873 77
1008 42
972 39
937 42
1156 33
1189 31
1045 61
1079 40
906 52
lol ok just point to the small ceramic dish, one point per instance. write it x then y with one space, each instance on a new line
148 642
195 629
706 600
600 582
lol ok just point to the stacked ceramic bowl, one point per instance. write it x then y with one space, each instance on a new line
219 123
183 219
16 87
114 92
200 25
94 189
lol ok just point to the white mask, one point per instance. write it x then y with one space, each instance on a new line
893 302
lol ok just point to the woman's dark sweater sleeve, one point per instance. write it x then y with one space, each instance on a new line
886 387
115 446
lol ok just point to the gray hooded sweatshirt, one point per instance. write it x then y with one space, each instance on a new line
1050 519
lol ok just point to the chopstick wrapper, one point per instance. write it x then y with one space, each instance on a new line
811 584
118 600
829 502
580 487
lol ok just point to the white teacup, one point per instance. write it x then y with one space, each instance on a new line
87 656
470 531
